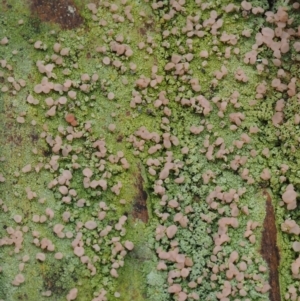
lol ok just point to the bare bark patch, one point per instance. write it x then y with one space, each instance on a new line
62 12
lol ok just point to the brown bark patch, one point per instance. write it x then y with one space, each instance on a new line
62 12
140 210
148 26
269 249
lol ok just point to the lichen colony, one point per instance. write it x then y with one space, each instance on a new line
149 150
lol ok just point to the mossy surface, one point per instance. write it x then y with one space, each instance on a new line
32 143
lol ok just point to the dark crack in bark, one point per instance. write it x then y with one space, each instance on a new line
140 210
269 249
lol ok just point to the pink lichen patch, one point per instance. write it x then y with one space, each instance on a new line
87 172
40 256
111 127
296 246
72 295
110 95
79 251
49 212
27 168
58 228
19 279
277 118
72 94
18 218
20 119
241 76
289 197
106 60
171 231
70 118
4 41
91 225
128 245
297 46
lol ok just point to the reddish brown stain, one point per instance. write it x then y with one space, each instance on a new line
140 210
62 12
269 249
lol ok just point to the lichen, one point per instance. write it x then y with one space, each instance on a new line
167 125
